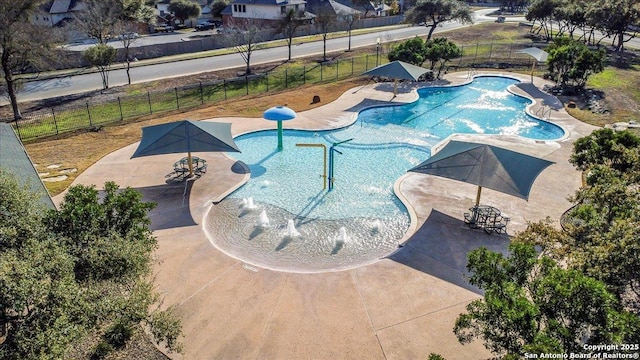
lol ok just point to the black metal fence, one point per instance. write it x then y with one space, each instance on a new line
93 115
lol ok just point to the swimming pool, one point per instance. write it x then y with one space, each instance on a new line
360 220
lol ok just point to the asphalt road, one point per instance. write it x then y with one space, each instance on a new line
84 82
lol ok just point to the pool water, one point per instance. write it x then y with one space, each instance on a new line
360 220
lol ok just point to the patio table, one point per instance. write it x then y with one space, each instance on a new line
182 166
487 218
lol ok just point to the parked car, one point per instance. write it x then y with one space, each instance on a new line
205 26
129 35
164 28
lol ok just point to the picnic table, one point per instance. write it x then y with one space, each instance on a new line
488 218
181 167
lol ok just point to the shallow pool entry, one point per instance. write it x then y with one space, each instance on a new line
273 238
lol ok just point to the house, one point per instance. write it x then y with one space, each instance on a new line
57 12
341 10
262 12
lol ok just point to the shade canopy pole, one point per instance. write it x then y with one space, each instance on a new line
478 195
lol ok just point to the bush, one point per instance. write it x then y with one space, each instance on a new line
102 350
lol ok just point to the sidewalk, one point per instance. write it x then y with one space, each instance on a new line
401 307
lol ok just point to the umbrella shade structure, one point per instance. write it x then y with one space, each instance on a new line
279 114
398 70
537 54
487 166
186 136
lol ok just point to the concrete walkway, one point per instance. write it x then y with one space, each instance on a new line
401 307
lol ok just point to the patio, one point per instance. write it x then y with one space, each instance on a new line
402 307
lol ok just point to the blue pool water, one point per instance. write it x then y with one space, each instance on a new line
386 142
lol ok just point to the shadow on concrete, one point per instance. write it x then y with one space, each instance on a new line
172 199
440 246
367 103
544 98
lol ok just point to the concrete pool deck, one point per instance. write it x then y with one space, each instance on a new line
401 307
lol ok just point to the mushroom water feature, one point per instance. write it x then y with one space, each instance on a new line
279 114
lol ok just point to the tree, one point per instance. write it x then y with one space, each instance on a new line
217 7
127 39
571 62
605 147
435 12
439 51
24 46
326 20
77 271
184 9
101 56
288 25
616 18
364 5
532 305
350 19
412 51
543 12
604 226
246 42
100 18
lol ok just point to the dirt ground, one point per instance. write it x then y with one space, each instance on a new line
73 153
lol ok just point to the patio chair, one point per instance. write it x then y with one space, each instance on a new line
500 226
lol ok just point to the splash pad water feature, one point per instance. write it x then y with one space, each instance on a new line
360 220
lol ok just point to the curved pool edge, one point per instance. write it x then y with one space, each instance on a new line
404 199
413 216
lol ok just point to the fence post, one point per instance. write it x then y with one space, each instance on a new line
266 77
224 87
476 56
351 66
149 99
490 50
119 107
286 78
18 129
366 62
321 72
89 114
201 94
177 100
55 122
337 69
246 83
304 74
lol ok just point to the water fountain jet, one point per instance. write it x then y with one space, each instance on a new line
342 236
291 229
247 203
263 220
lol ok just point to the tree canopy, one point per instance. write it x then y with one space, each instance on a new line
532 305
435 12
571 62
101 56
24 46
184 9
81 270
100 19
416 51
